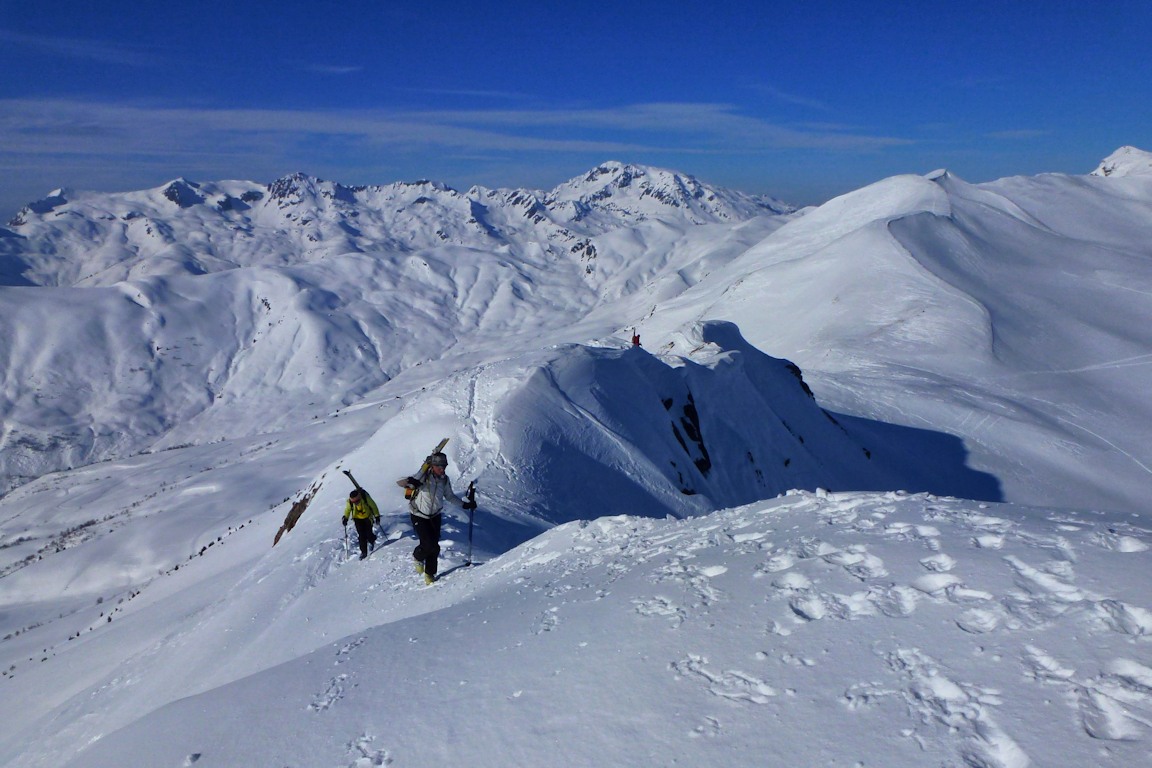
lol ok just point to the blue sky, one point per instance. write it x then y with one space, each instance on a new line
803 99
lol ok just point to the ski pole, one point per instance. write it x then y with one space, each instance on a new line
471 514
347 547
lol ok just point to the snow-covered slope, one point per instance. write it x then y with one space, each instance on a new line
1010 313
985 341
815 629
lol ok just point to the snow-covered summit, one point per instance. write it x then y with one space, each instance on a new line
183 192
1126 161
638 191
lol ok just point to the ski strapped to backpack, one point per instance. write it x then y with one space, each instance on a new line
378 525
354 483
406 483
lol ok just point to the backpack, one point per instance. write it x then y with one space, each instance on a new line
412 483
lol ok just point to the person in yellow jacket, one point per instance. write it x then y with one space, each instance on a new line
365 514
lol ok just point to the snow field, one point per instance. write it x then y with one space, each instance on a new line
817 628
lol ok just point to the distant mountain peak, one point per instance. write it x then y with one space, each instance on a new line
650 181
648 191
425 183
621 173
1126 161
183 193
55 199
294 185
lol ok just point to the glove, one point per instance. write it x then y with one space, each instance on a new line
344 521
413 482
469 505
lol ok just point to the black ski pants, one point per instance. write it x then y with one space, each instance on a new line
428 550
365 533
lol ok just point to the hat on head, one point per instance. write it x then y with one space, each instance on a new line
437 460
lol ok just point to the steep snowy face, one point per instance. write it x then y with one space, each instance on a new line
184 193
722 425
1126 161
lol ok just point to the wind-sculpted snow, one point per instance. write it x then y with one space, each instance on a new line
815 629
598 429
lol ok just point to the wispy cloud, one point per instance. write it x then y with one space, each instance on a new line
333 69
678 125
472 93
1022 134
61 126
92 50
791 98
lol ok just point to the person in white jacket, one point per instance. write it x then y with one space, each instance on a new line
425 507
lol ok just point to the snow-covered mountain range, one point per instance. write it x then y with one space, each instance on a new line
92 239
182 365
219 307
